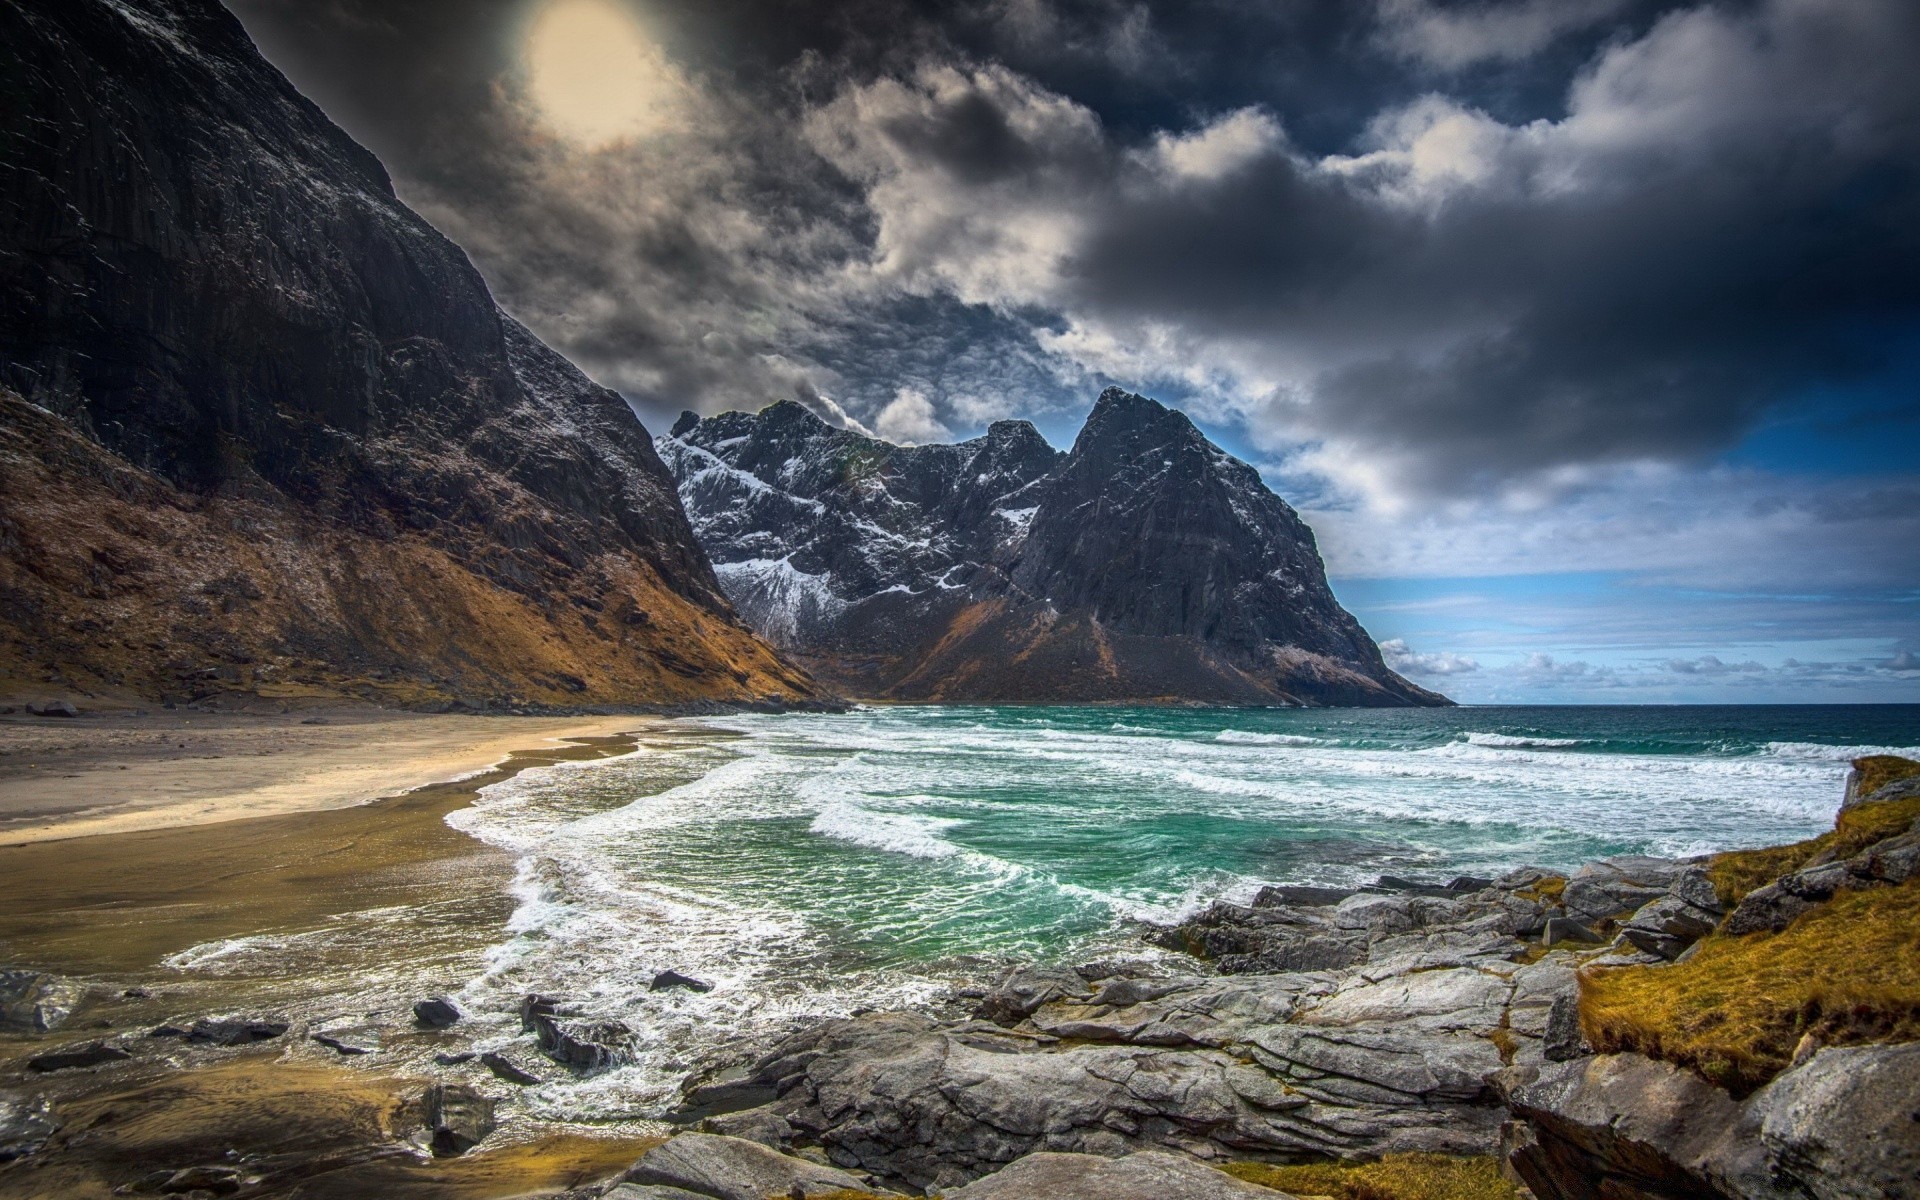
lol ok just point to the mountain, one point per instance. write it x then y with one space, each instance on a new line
263 429
1146 565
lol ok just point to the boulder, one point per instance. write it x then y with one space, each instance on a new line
650 1191
507 1069
754 1125
1845 1125
1668 926
235 1032
34 1001
1565 929
582 1044
1622 1126
458 1118
349 1042
728 1168
1148 1175
53 708
25 1126
85 1054
1298 896
674 979
436 1013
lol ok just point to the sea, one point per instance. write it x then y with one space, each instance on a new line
813 865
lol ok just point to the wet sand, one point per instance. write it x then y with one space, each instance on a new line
122 772
111 908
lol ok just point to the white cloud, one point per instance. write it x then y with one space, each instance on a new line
909 420
1462 35
1412 662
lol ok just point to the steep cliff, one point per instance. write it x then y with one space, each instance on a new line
1145 565
265 430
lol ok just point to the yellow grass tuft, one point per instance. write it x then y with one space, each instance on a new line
1736 1010
1396 1177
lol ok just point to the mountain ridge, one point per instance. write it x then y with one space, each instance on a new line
266 431
1144 565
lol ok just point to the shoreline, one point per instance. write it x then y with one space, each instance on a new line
107 909
128 773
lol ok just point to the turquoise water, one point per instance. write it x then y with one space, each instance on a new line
820 863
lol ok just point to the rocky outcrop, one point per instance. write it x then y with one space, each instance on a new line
1399 1049
263 430
1146 565
1839 1125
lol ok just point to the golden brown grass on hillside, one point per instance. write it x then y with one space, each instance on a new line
1735 1011
1738 872
1395 1177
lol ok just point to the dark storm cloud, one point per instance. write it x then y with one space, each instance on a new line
1445 248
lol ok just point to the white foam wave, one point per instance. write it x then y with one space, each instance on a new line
901 833
1503 741
1236 737
1820 752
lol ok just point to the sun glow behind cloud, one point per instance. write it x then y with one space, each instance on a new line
595 76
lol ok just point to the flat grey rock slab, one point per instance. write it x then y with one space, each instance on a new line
729 1168
1148 1175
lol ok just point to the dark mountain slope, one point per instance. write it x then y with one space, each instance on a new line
1147 565
266 430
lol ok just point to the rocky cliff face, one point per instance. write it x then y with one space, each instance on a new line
1145 565
266 431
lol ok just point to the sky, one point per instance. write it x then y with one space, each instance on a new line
1584 333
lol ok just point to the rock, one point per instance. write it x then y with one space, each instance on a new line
1564 1040
1298 896
1845 1125
650 1191
167 1031
53 708
1559 930
235 1032
506 1069
454 1058
25 1126
727 1168
1693 886
34 1001
754 1125
1621 1125
85 1054
584 1045
674 979
218 1180
436 1013
349 1042
1021 991
1148 1175
458 1118
1668 926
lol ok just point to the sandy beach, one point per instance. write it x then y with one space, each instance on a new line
132 838
129 772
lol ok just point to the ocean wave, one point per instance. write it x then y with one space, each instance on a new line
1510 741
1821 752
902 833
1236 737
